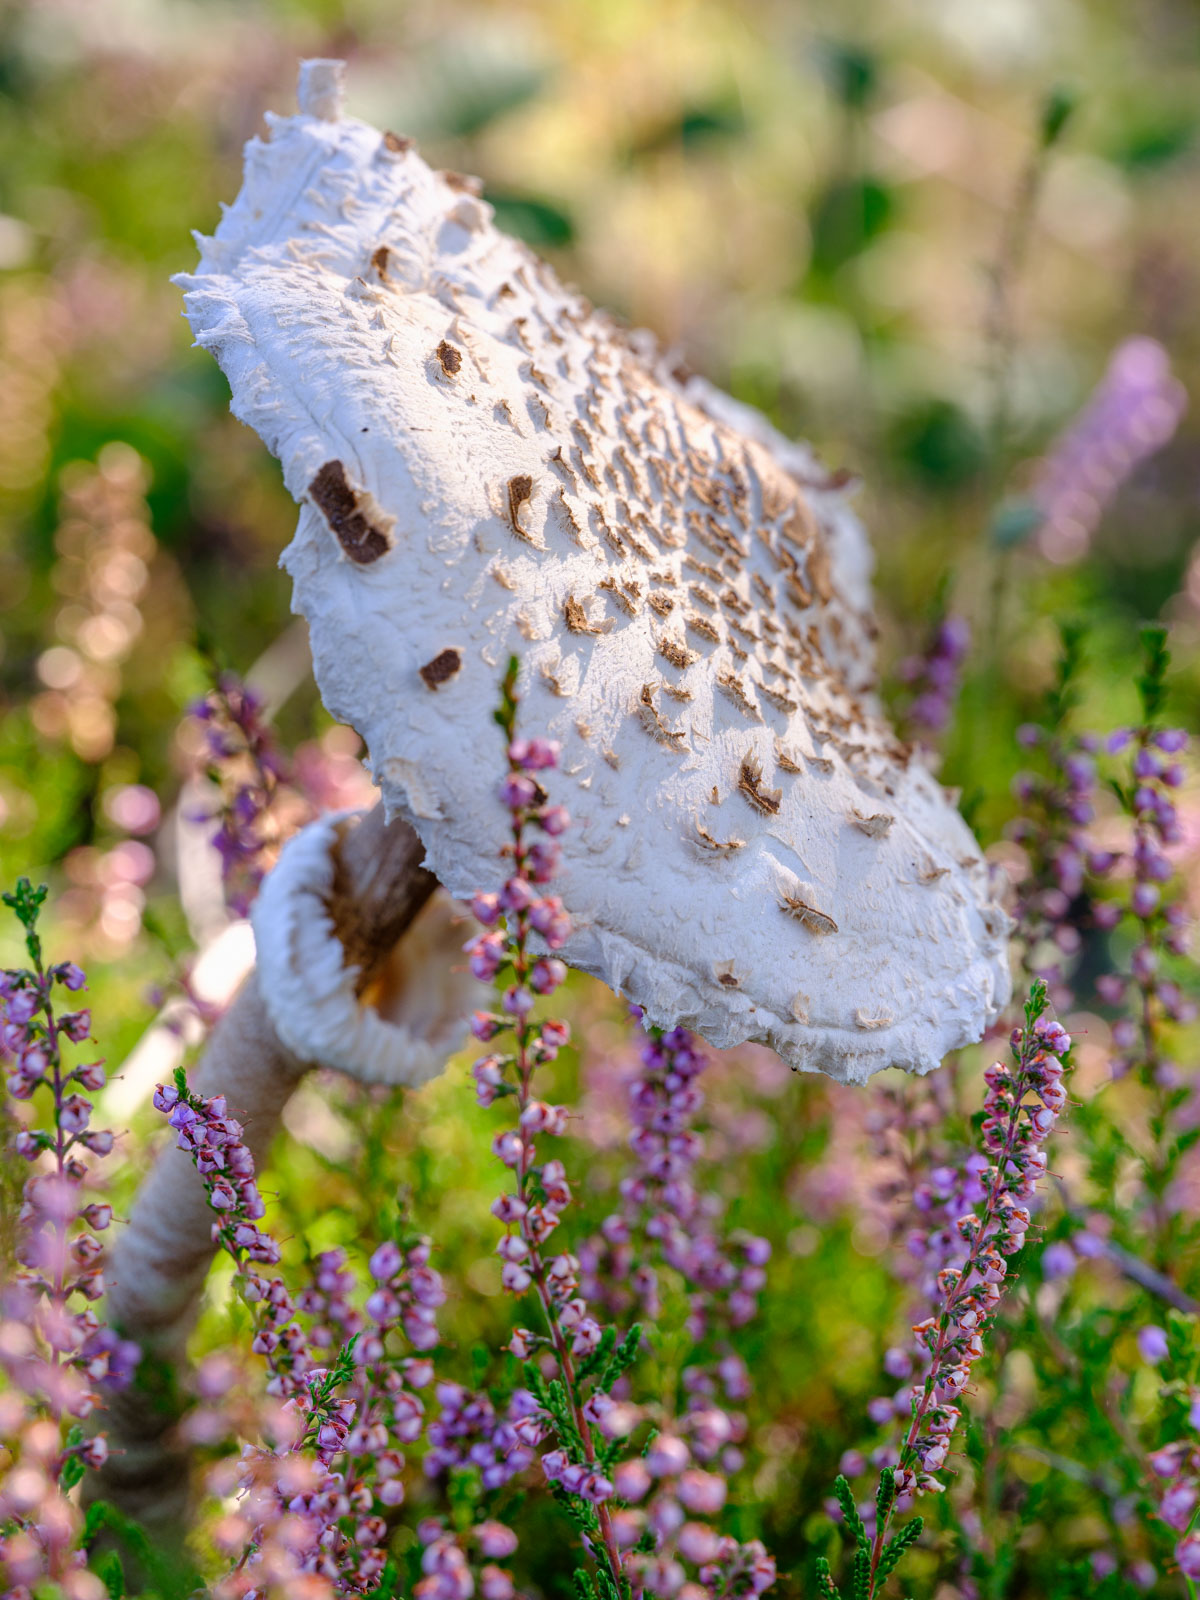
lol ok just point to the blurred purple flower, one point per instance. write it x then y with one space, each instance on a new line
1133 412
1152 1343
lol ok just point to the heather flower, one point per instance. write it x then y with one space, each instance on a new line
345 1401
248 769
1131 415
1058 1260
1019 1115
668 1221
935 676
578 1425
1152 1343
1155 905
1055 901
56 1355
534 1207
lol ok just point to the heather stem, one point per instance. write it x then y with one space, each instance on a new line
525 1032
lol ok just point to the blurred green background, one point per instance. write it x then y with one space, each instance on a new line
843 211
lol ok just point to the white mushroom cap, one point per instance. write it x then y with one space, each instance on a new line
415 1013
485 465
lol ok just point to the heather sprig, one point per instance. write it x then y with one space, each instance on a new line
1133 412
1175 1464
669 1219
244 763
314 1499
1055 904
532 1209
54 1350
1152 910
935 677
1021 1109
572 1403
1156 907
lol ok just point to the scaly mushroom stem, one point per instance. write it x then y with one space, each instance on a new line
159 1261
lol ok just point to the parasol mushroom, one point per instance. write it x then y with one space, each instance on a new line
485 464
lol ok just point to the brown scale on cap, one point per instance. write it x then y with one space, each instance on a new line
875 827
576 618
568 518
449 358
635 543
445 665
651 720
702 567
564 469
584 463
520 492
702 626
797 592
698 529
727 975
778 699
627 605
462 183
611 537
734 690
675 652
750 783
808 916
341 507
822 579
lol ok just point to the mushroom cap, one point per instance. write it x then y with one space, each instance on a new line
414 1015
485 465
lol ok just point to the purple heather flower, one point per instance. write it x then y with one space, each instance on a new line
1058 1260
935 676
1177 1505
1131 415
1187 1554
1152 1343
969 1273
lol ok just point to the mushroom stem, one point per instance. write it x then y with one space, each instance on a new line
160 1260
